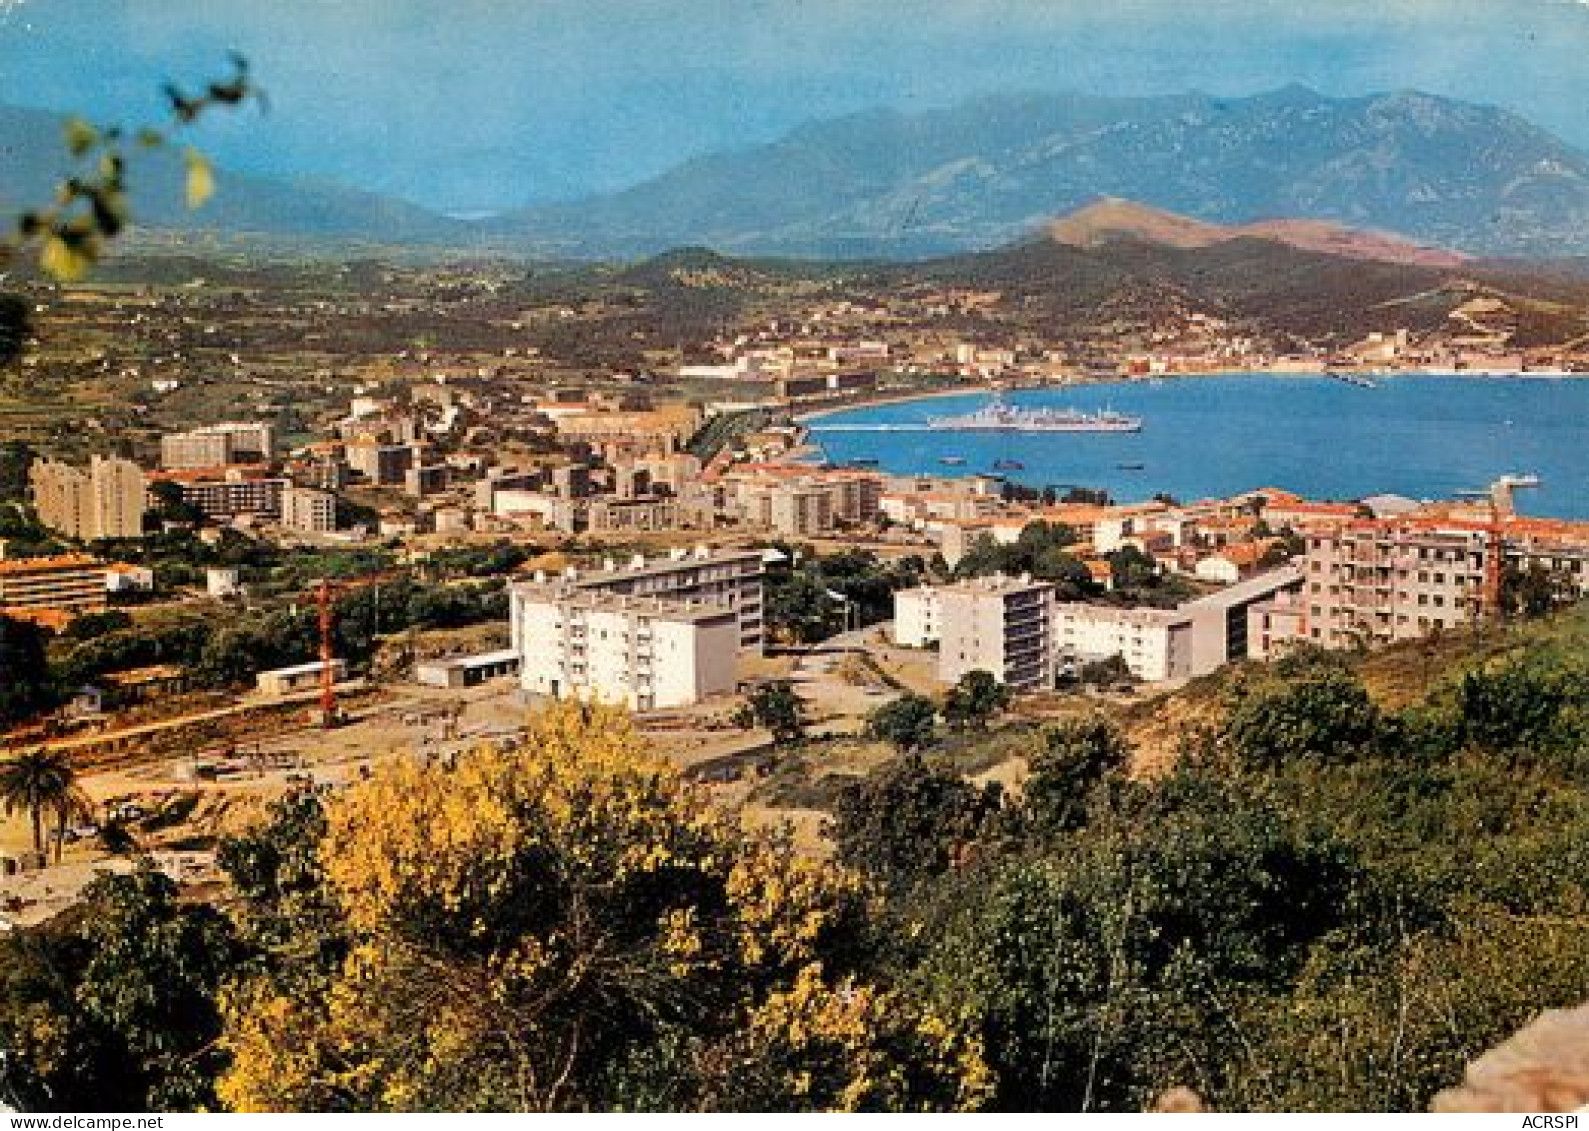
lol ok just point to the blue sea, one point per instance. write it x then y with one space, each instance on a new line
1423 436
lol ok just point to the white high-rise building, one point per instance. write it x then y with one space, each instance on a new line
727 578
219 444
104 500
646 653
308 510
1002 625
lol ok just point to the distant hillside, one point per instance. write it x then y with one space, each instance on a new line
1153 269
33 157
1112 219
887 184
1264 281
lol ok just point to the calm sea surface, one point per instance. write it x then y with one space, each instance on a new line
1427 437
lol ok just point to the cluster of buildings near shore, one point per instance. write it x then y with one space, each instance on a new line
1374 573
470 457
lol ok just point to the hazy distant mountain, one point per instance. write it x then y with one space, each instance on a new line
33 157
885 183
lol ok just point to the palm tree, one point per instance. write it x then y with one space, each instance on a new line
39 782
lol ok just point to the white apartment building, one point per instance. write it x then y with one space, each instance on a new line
1002 625
916 617
103 500
1156 644
728 578
308 510
218 445
647 653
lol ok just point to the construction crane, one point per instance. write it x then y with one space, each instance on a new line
326 592
328 679
1501 506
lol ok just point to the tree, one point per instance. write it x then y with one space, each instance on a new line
170 505
1130 568
1107 672
1536 591
974 700
776 706
566 926
908 723
89 625
42 784
26 689
910 820
1515 707
1077 756
1326 716
1102 974
113 1005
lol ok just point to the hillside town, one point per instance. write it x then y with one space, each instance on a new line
763 613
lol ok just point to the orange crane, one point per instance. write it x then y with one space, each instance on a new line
328 693
326 592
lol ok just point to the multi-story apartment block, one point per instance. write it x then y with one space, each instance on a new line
1376 582
218 445
1192 639
1002 625
66 583
916 617
104 500
649 653
228 492
800 501
1156 644
381 464
730 579
308 510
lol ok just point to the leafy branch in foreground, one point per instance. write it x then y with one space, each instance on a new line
90 207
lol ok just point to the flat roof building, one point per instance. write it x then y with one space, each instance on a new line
308 510
65 583
1003 625
226 492
648 653
103 500
729 578
298 678
467 671
219 444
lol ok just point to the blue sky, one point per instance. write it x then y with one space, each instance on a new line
482 104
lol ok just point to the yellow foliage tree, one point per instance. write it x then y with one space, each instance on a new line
522 925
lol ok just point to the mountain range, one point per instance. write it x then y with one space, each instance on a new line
885 184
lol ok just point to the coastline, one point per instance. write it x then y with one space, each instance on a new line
891 398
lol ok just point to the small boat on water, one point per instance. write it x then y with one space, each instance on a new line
952 461
1130 466
862 462
1356 379
1008 465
